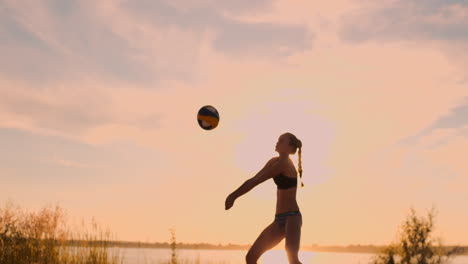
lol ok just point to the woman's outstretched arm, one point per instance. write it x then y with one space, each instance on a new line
269 170
243 189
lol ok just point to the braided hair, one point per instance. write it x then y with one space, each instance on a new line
297 146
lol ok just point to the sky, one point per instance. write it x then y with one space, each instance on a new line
98 106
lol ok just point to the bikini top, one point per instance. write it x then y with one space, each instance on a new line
285 182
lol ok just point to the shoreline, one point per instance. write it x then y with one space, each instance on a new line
369 249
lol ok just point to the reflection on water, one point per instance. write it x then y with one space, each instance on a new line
275 256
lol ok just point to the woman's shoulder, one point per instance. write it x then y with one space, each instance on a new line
284 163
271 161
274 160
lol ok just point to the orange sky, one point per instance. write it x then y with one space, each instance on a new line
98 109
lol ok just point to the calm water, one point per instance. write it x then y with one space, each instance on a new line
189 256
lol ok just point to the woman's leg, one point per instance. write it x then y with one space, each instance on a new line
269 238
293 238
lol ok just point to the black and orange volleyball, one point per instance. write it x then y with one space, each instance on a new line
208 117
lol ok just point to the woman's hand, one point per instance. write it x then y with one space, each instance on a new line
229 201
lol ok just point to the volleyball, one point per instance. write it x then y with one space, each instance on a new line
208 117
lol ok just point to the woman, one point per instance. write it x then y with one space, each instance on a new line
288 218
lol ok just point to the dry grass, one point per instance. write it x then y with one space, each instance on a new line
176 260
43 237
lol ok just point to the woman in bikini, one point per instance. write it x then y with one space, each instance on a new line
288 219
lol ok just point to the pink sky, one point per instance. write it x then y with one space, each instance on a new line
98 107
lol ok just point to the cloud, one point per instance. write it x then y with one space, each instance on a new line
71 109
409 20
69 163
457 118
138 42
231 36
263 39
454 121
435 24
24 54
241 6
53 41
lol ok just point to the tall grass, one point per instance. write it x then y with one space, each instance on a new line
43 237
174 258
177 260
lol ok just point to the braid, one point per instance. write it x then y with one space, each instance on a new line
300 165
296 143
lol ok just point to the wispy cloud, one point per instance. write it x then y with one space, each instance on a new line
454 121
457 118
55 41
231 36
409 20
68 163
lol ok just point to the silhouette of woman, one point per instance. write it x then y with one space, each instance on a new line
288 219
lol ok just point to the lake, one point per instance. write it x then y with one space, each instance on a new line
274 256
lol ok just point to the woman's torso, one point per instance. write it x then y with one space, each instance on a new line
286 198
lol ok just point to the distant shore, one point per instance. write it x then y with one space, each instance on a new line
372 249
